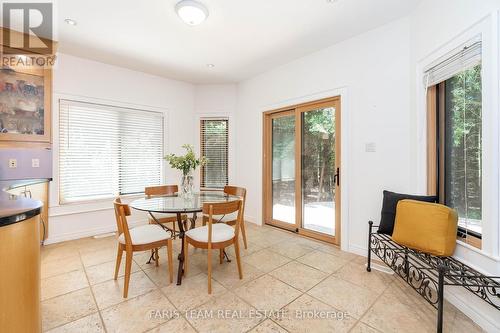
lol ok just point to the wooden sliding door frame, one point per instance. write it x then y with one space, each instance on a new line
298 110
332 102
267 160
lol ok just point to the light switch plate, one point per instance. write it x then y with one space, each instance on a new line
35 163
370 147
12 163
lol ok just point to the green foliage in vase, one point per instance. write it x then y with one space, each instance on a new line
187 162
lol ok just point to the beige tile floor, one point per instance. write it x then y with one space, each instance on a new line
290 277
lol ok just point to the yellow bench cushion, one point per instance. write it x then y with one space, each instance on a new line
426 227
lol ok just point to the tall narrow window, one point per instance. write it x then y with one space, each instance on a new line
455 108
106 150
462 148
214 135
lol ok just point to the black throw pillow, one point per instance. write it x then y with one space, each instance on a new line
389 205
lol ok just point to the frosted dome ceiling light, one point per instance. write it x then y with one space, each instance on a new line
192 12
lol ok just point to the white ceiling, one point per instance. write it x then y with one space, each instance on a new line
241 37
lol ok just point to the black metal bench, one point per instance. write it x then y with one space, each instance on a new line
428 274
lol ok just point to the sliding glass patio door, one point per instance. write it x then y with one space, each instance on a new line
302 169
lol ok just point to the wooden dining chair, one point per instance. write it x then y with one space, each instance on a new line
230 219
141 238
163 218
215 236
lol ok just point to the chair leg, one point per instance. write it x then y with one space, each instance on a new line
170 261
221 256
186 248
243 233
128 266
209 270
157 258
238 259
118 261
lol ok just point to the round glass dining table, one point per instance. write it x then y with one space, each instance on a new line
179 205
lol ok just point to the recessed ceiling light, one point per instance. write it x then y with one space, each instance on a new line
70 21
192 12
210 65
332 1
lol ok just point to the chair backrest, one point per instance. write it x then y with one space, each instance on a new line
222 208
121 212
152 191
238 191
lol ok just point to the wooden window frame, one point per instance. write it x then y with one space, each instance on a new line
436 154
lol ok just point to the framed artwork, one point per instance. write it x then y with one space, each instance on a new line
25 104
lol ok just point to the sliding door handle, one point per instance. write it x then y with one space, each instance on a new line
336 178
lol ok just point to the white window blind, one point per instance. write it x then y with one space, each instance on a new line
458 60
107 150
214 134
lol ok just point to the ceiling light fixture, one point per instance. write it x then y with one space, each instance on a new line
192 12
70 21
210 65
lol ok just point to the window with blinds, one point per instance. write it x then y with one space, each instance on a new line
106 151
458 60
454 111
214 134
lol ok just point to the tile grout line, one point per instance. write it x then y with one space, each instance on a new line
323 279
157 287
229 290
80 317
373 304
166 296
93 296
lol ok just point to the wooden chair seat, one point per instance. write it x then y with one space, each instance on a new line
162 218
142 238
146 234
216 236
231 218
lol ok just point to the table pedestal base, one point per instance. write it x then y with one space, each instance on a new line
182 226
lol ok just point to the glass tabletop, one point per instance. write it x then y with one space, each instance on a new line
178 204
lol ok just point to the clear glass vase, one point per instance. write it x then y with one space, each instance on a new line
187 186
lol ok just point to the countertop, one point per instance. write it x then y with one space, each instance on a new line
13 208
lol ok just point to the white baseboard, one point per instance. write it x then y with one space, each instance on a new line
477 310
87 233
252 219
473 307
356 249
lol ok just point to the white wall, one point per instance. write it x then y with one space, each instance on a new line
82 79
217 100
373 71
